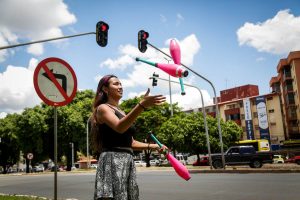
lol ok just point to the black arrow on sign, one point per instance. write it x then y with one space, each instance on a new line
58 76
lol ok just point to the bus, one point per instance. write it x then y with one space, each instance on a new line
259 145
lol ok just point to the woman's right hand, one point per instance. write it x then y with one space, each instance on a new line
155 100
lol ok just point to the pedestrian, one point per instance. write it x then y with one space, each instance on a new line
113 136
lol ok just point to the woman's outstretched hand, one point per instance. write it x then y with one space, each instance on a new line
155 100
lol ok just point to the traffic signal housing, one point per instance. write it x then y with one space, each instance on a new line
102 33
142 40
154 80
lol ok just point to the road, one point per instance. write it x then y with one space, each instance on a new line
163 185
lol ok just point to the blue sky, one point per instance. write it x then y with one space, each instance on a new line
232 43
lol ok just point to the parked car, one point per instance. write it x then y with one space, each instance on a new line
181 159
295 159
38 169
140 163
154 162
202 162
94 166
278 159
242 155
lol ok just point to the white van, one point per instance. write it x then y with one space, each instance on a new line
181 159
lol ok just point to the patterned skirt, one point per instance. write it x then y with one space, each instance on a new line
116 177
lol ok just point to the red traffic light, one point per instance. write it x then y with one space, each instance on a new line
103 27
102 33
142 40
145 35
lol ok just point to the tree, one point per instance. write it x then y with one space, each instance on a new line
33 134
9 148
148 121
71 128
186 133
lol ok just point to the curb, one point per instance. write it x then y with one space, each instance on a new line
243 171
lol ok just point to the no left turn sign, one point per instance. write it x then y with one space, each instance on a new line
29 156
55 81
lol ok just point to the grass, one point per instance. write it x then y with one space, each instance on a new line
20 197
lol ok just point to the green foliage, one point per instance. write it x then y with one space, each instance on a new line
149 120
32 131
186 133
20 197
9 147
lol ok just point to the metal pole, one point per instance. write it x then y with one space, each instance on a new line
72 145
171 106
204 117
170 91
87 143
55 153
46 40
216 100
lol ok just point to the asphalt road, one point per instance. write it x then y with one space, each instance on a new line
162 185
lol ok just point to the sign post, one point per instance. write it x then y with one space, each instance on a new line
56 84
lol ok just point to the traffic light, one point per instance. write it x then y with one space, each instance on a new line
102 33
142 40
154 80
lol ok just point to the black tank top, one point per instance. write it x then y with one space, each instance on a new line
111 138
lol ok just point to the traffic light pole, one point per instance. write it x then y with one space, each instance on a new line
46 40
216 100
204 117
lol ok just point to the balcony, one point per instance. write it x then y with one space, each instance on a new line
289 88
289 99
292 112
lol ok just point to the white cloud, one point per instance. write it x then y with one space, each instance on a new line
278 35
139 73
192 99
163 18
121 63
2 115
179 19
260 59
31 20
35 49
16 88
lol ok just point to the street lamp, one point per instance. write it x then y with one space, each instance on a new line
87 142
204 117
216 100
170 90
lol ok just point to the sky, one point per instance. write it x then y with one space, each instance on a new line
229 42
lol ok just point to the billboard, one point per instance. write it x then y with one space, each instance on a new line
248 119
262 118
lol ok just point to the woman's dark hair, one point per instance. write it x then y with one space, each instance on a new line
100 98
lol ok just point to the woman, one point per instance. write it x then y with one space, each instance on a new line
113 133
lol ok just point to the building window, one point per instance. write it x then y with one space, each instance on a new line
270 98
241 104
271 111
273 123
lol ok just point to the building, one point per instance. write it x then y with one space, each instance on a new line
260 116
275 116
287 84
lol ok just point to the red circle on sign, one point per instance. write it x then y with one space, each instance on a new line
43 65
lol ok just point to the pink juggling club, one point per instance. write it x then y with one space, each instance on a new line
176 55
172 69
180 169
175 52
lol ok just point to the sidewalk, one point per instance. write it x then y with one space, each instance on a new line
267 168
